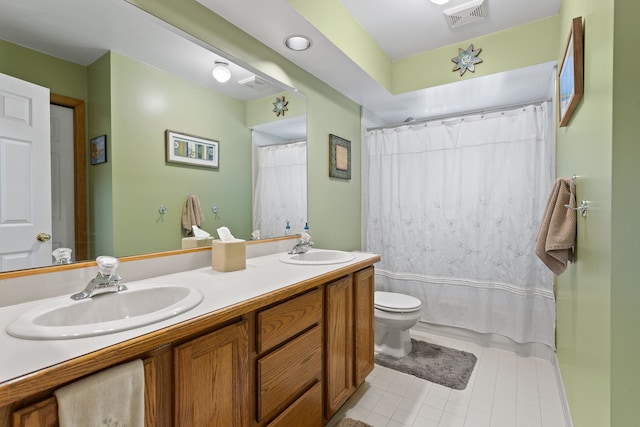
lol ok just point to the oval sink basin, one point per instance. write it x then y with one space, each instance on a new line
64 318
318 257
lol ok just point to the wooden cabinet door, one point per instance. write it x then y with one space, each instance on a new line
41 414
339 346
363 293
211 379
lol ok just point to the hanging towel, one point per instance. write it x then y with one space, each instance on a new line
113 397
557 235
191 214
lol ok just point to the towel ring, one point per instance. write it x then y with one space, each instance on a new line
582 209
162 209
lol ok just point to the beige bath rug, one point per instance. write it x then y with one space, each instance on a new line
348 422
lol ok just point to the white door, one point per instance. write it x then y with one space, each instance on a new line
62 191
25 175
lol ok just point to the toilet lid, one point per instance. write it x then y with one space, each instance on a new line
391 301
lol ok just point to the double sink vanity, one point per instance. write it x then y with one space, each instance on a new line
284 342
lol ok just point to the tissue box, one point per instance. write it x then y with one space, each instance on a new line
228 256
196 242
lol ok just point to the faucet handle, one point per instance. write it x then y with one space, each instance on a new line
107 265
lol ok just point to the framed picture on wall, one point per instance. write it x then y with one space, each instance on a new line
339 157
571 74
98 149
191 150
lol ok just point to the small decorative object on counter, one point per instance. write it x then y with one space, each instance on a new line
228 253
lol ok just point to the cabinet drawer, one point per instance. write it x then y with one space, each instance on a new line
306 411
285 373
285 320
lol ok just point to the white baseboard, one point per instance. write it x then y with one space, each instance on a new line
568 422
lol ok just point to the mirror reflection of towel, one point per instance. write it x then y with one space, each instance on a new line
191 214
557 235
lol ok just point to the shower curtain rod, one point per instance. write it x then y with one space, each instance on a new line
293 141
462 115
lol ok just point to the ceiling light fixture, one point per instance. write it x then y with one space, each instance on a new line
297 42
221 71
439 2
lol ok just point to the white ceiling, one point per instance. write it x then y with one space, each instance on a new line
408 27
83 30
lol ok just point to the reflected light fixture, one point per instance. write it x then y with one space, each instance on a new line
297 42
221 71
439 2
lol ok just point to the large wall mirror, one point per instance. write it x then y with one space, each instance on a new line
122 79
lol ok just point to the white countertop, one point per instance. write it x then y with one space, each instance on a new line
263 275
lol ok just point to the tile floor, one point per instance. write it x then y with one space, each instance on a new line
505 390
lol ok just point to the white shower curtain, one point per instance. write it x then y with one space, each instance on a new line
280 188
453 208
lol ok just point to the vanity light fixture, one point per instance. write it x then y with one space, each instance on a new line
439 2
221 71
297 42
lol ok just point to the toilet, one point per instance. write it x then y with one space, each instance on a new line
394 315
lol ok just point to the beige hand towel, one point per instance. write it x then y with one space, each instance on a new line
557 235
113 397
191 214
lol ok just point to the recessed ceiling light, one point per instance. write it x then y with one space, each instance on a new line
297 42
439 1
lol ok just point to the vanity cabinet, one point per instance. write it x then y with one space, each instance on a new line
349 337
288 358
211 379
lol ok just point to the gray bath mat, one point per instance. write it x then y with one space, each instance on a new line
441 365
348 422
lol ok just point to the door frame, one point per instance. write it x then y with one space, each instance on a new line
79 171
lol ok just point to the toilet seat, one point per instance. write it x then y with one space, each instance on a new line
396 303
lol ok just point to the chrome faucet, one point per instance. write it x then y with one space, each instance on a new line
303 245
106 281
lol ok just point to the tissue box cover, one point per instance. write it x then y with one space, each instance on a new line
228 256
196 242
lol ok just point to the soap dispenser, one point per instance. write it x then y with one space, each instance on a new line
306 228
287 229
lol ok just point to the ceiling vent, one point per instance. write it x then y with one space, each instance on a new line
255 83
466 13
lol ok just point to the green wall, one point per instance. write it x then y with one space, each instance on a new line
625 269
60 76
519 47
136 180
260 111
597 337
100 183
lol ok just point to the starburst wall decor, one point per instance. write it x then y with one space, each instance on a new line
280 106
466 59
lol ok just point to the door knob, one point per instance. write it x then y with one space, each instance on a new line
43 237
